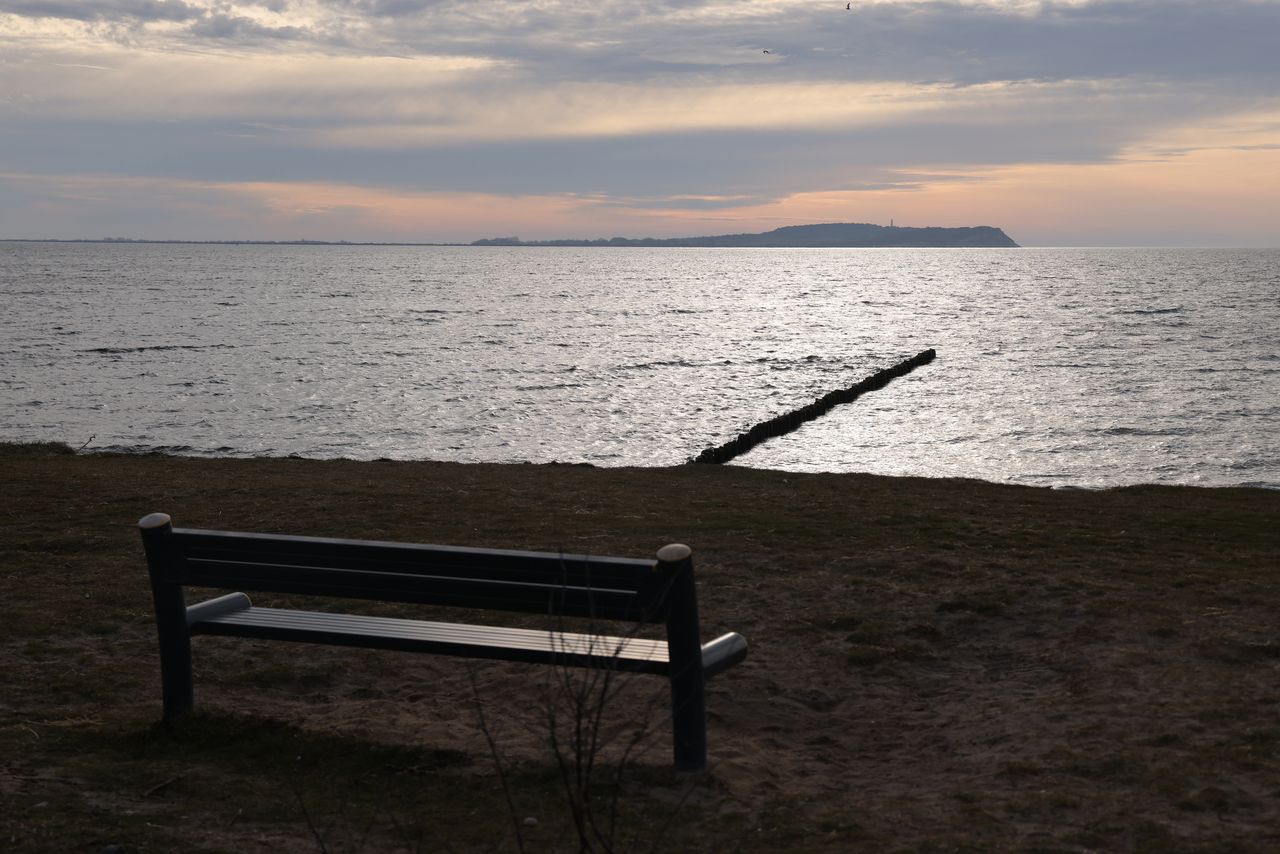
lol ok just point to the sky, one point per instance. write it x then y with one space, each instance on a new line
1064 122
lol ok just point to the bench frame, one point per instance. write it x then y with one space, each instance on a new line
597 588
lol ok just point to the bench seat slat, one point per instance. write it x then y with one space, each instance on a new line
511 644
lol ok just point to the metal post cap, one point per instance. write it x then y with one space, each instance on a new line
674 552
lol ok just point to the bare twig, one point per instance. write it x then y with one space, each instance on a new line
158 786
575 706
306 815
497 758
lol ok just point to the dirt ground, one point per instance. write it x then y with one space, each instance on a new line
935 665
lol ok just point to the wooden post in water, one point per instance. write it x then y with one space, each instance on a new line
789 421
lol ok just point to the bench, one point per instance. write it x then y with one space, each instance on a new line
660 590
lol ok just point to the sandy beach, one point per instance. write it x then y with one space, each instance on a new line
935 665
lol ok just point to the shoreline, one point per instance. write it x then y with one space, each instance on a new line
63 448
933 663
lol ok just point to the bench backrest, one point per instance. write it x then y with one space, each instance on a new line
535 582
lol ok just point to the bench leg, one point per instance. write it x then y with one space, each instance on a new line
175 651
171 615
689 719
684 647
175 676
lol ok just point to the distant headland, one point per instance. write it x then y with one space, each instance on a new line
826 235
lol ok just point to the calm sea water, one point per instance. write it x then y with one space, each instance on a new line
1064 367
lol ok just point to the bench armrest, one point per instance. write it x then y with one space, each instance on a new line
212 608
722 653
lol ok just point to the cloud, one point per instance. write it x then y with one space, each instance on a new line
265 123
168 209
720 43
1122 203
914 41
682 202
656 108
239 28
391 8
958 42
104 10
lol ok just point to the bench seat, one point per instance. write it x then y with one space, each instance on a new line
234 615
532 645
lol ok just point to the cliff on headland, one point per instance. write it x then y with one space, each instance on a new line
828 235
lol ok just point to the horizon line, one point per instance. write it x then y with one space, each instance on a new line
545 244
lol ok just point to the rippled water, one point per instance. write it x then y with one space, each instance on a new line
1083 367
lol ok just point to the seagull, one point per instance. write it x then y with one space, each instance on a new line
766 51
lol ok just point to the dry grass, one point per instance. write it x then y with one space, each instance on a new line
935 665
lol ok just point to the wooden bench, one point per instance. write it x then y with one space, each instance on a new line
595 588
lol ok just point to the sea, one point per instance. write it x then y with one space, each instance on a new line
1063 367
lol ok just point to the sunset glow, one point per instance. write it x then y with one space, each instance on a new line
1091 122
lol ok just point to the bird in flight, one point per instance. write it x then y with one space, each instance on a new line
766 51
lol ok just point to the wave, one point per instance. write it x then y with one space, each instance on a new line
1143 431
550 386
172 450
669 363
158 347
1173 309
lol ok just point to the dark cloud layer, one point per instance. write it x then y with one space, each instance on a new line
238 27
119 11
759 164
952 42
940 41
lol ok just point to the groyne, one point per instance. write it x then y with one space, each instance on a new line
788 421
